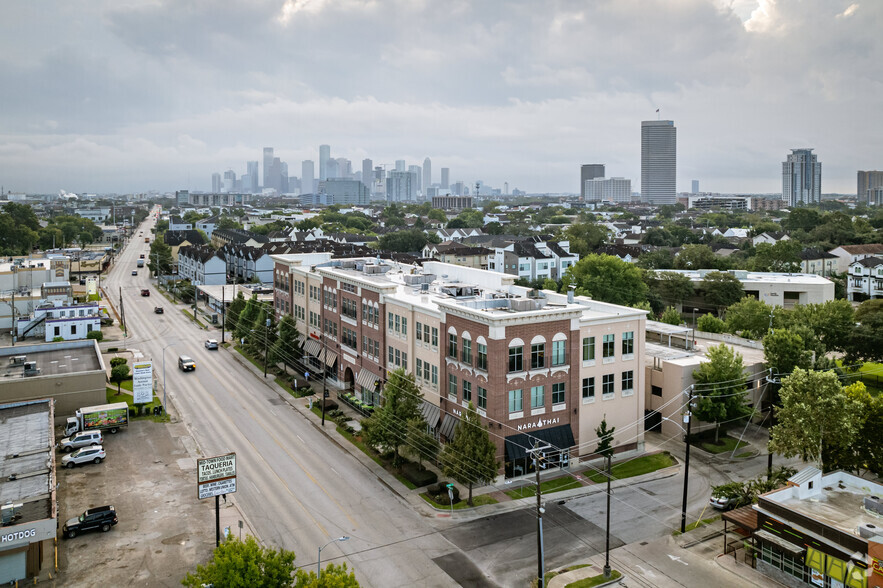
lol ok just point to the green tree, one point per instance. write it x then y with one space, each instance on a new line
262 336
721 289
550 284
237 305
585 237
866 338
865 453
287 348
605 438
159 260
831 322
671 316
672 287
805 219
388 425
709 323
246 319
420 442
228 222
720 388
238 563
783 256
815 412
333 576
751 318
437 215
118 374
659 237
405 241
660 259
470 458
608 279
694 257
471 218
784 351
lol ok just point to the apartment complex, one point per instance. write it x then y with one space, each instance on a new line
540 367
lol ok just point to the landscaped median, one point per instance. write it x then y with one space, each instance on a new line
636 467
577 576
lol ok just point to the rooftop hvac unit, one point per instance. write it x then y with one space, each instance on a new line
874 504
867 530
9 513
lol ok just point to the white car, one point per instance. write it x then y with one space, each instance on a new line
94 454
211 344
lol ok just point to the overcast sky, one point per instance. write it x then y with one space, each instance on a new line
130 96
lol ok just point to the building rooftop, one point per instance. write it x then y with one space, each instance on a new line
26 473
747 277
52 359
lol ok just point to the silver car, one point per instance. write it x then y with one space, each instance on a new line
81 439
84 455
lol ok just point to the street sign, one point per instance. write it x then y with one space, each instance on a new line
142 382
216 475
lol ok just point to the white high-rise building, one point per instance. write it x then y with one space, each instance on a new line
324 156
399 187
252 172
445 178
368 175
268 164
802 178
427 175
216 183
416 177
400 165
307 176
659 142
608 189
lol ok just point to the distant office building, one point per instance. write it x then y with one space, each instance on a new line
455 203
445 178
459 189
608 189
659 141
345 191
324 157
400 165
802 178
216 182
344 168
307 176
868 181
589 171
875 196
416 176
760 203
368 174
719 202
229 181
283 177
505 188
399 187
252 171
268 163
695 188
427 175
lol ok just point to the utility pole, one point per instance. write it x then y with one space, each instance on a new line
607 540
688 420
223 314
13 315
266 346
324 375
538 456
123 313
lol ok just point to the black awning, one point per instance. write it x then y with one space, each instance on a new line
560 437
431 413
449 427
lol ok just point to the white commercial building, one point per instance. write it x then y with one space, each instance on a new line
608 189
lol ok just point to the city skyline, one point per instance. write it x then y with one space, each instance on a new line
149 105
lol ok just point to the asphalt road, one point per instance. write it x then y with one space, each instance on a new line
298 490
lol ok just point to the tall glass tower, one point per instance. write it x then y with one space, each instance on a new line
802 178
659 154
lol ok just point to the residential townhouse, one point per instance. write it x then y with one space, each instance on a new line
202 265
221 237
818 262
566 361
531 259
458 253
208 225
176 223
849 254
177 239
865 279
770 237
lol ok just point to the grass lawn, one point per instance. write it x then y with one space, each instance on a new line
696 525
726 445
637 466
594 580
874 380
549 486
479 500
111 395
249 358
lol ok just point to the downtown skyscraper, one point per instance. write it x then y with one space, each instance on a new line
324 158
659 154
801 178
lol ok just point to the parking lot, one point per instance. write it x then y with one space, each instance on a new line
163 530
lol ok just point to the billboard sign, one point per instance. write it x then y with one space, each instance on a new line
142 382
216 475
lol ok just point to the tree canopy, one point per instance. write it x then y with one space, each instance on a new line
751 317
238 563
720 387
409 240
470 457
388 425
721 289
608 279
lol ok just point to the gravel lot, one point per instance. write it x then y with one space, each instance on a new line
164 531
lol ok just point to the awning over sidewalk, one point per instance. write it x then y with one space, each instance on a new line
330 358
560 437
366 379
779 542
449 427
431 414
312 347
744 518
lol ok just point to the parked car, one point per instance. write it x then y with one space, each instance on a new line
157 310
211 344
722 502
82 455
186 363
81 439
101 517
134 272
145 292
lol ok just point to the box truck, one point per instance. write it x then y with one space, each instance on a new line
104 417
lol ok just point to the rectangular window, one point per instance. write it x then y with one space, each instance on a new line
405 360
628 343
419 363
607 350
426 335
607 386
467 391
482 357
656 390
482 398
419 332
391 356
628 382
390 321
559 353
404 326
514 400
466 355
434 376
398 361
516 359
589 388
398 320
536 396
73 329
434 337
452 345
558 393
537 356
588 348
452 386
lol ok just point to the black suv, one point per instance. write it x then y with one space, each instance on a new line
101 517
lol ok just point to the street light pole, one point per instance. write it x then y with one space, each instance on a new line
223 314
688 418
607 548
164 405
266 346
319 558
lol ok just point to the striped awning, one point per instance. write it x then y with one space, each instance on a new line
366 379
431 414
313 347
330 357
449 427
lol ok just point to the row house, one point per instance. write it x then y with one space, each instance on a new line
865 279
177 239
176 223
818 262
458 253
221 237
849 254
533 260
540 367
202 265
